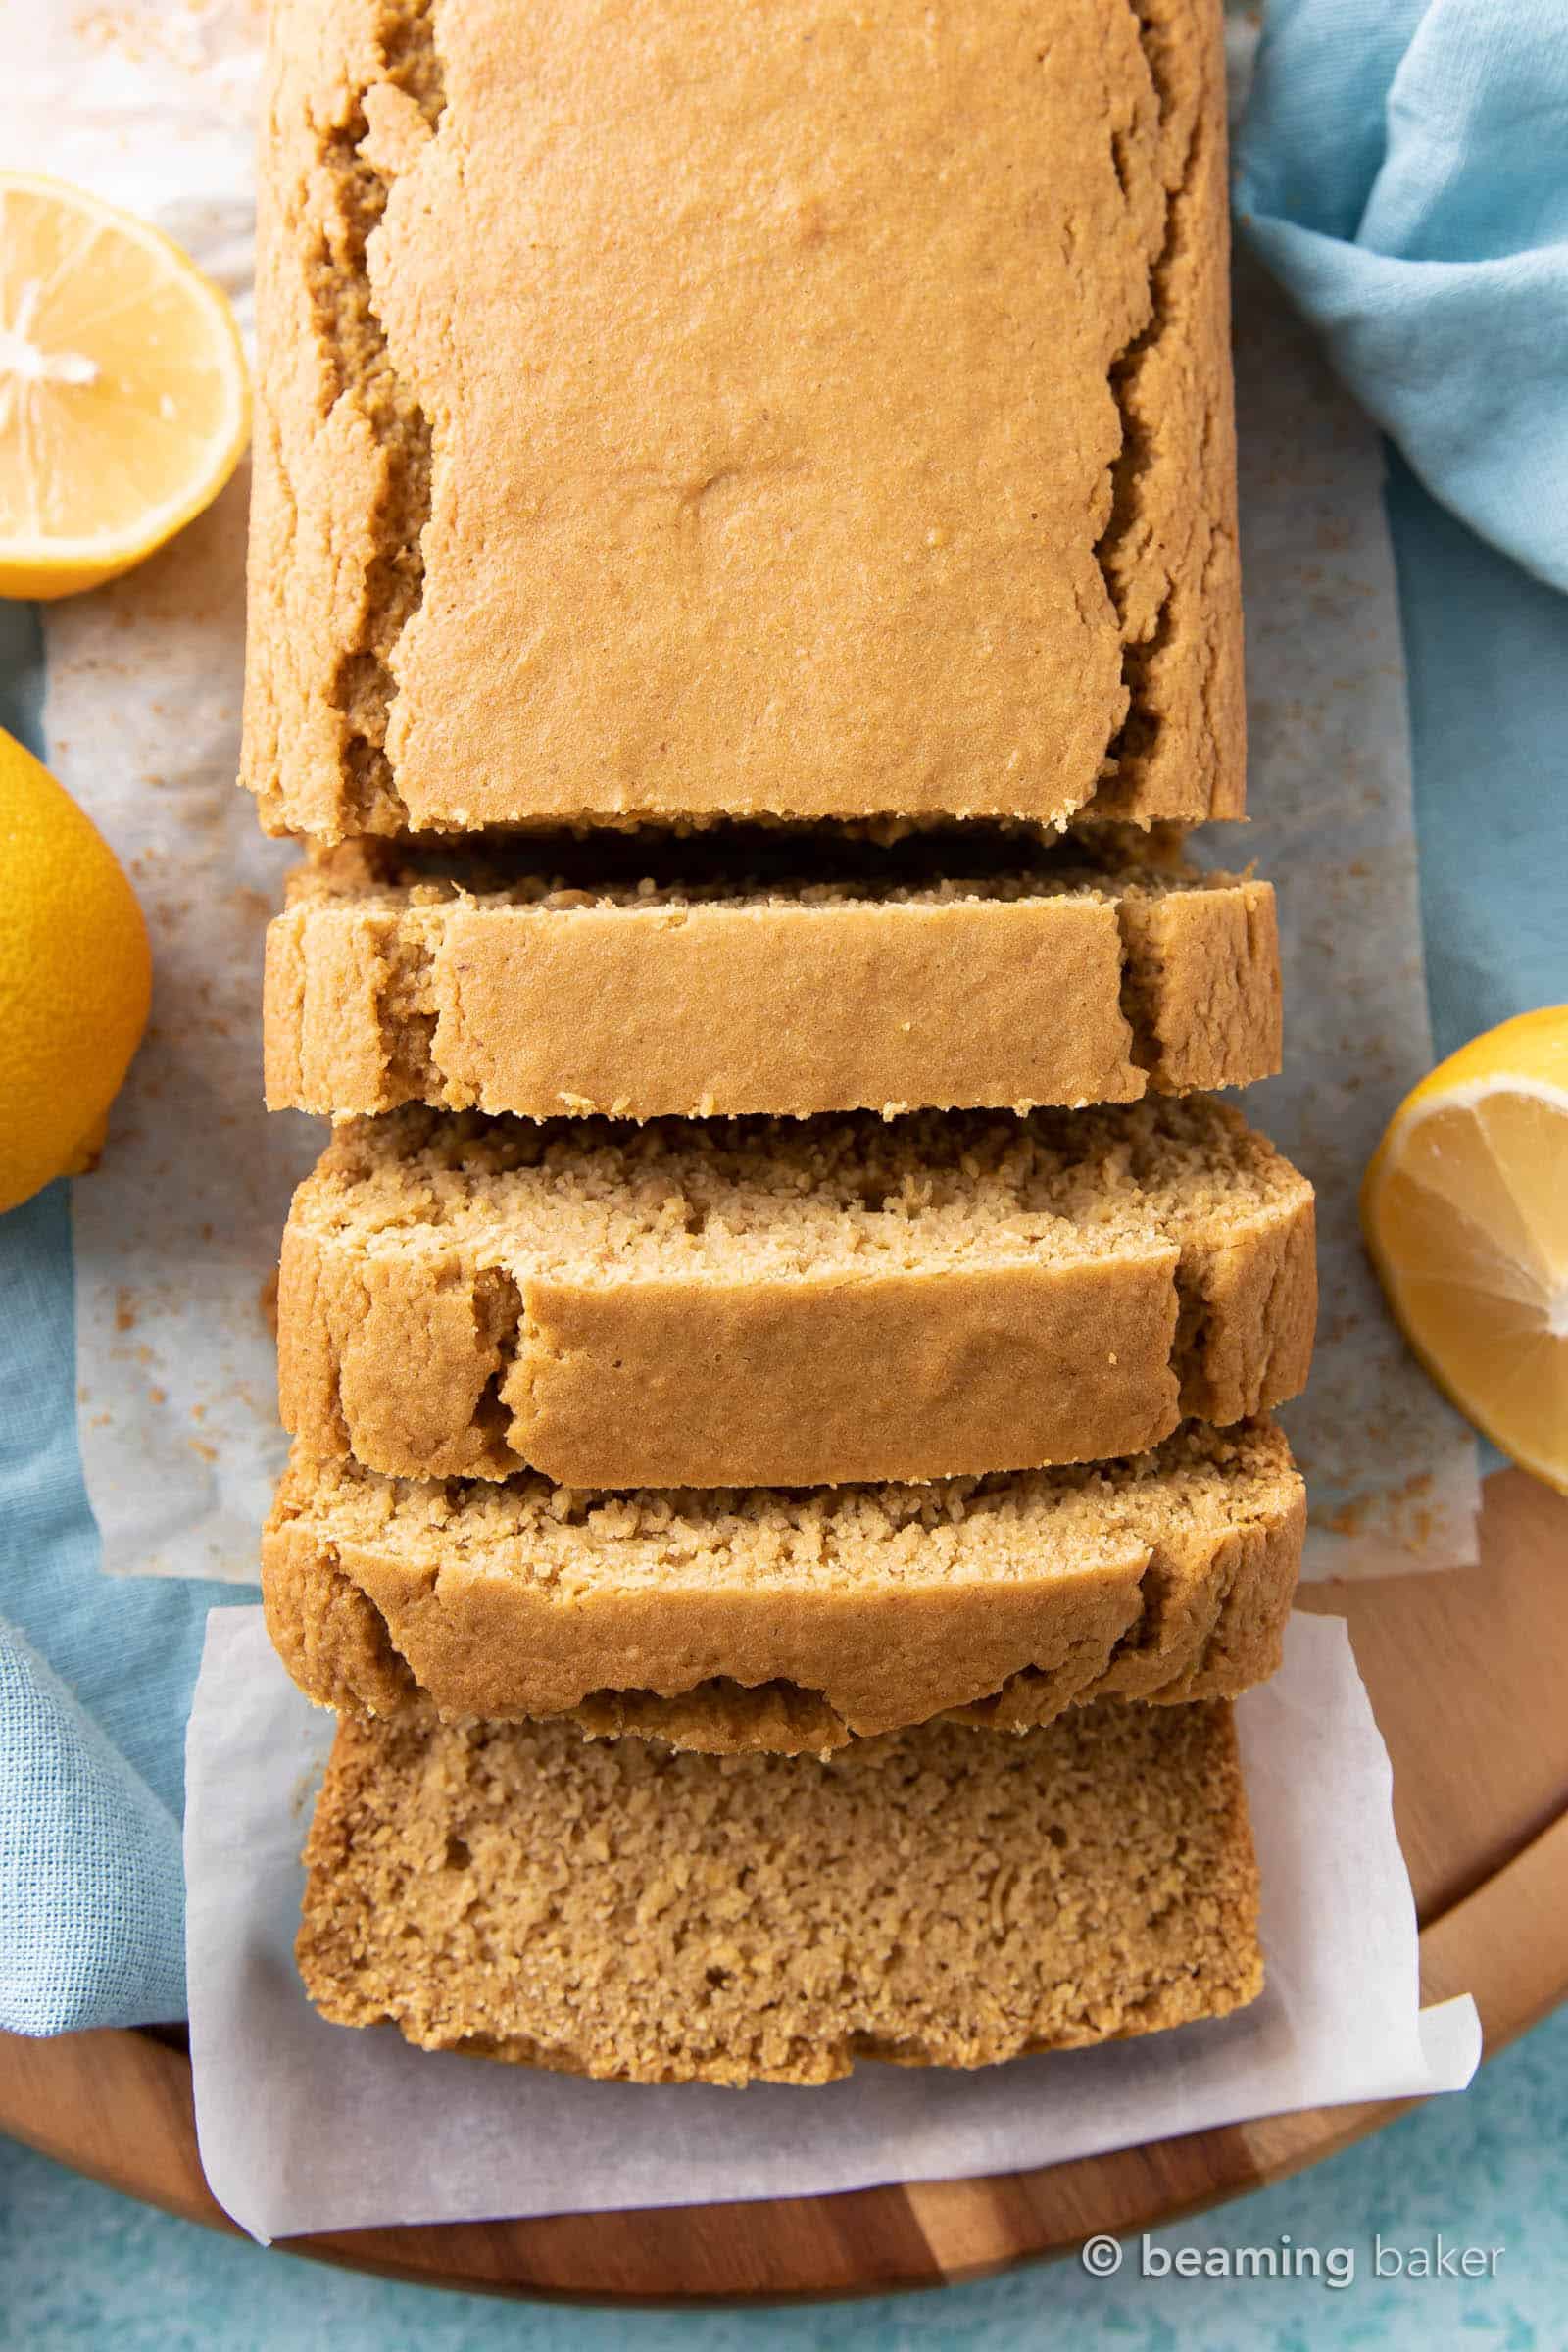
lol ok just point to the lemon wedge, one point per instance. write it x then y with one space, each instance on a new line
1465 1212
124 402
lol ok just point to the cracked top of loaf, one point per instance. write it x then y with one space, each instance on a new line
665 417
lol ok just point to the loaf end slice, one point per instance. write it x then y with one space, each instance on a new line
948 1897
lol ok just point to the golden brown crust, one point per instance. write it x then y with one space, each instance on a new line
1165 1579
1202 985
377 998
427 1336
946 1897
830 422
1172 552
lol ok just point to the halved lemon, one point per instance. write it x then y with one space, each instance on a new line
1465 1212
124 402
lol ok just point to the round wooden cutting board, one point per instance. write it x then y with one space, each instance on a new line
1467 1672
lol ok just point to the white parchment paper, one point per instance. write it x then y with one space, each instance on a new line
306 2126
176 1234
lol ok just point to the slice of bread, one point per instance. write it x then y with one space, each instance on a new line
737 1620
491 981
948 1897
778 1304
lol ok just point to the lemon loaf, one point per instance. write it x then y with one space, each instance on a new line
662 418
772 1303
397 976
942 1898
727 1619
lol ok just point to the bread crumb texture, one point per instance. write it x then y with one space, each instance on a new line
730 1620
823 981
657 422
947 1898
782 1302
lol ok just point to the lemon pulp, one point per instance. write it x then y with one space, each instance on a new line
1465 1211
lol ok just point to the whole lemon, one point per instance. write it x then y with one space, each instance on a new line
76 979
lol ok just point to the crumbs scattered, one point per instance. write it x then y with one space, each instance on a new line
125 1309
1383 1509
251 905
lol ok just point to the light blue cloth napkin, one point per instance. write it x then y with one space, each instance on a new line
1403 169
90 1884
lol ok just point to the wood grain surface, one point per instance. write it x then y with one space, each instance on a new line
1466 1672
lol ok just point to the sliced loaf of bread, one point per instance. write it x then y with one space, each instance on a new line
941 1898
730 1620
769 1302
489 980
